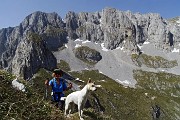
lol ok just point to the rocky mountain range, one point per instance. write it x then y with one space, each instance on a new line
42 39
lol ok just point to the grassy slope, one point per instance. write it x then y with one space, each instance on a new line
22 106
112 101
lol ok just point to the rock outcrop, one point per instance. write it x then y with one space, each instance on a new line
31 56
87 54
26 48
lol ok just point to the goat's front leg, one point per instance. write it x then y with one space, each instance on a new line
80 111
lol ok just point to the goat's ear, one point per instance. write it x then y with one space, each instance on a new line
89 81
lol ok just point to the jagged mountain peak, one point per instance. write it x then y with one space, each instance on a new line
38 21
111 27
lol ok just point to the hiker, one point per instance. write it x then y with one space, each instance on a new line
58 86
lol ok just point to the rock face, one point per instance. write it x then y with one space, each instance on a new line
112 27
28 60
26 48
87 54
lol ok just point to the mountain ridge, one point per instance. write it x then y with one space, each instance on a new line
111 28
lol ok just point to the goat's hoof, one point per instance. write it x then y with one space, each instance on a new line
81 118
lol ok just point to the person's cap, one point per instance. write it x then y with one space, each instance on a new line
58 71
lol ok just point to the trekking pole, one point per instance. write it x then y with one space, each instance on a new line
46 89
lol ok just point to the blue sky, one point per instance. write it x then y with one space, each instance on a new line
13 12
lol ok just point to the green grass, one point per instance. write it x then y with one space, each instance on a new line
35 37
115 101
152 61
30 105
161 86
112 101
63 65
120 103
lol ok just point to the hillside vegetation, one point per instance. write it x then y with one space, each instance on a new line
153 61
113 101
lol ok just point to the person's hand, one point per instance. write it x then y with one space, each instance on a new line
46 82
70 85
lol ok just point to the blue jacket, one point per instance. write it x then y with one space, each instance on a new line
58 88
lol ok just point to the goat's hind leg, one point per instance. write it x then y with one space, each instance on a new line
66 109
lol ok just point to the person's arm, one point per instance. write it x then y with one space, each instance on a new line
46 82
69 86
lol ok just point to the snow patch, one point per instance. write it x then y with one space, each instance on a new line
118 48
17 85
78 40
146 42
139 46
175 50
77 45
102 80
100 72
124 82
103 48
66 46
86 69
85 41
100 20
122 48
178 21
77 79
